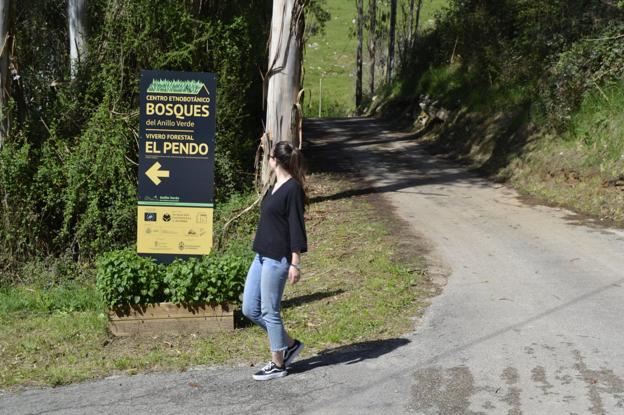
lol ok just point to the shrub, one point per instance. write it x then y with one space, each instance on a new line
68 167
589 65
124 278
213 279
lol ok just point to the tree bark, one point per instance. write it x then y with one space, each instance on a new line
6 45
360 35
418 9
393 12
372 43
283 77
410 27
77 15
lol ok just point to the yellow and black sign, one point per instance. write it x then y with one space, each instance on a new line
176 164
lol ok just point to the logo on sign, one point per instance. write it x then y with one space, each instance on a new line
150 217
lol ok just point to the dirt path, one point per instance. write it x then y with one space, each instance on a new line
530 321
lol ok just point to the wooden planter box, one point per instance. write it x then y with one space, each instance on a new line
169 318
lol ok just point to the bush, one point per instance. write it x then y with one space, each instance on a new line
124 278
589 65
68 167
213 279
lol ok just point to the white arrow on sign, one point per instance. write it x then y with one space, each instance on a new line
154 173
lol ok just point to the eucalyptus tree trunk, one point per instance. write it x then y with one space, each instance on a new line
372 43
283 115
410 27
391 36
6 44
360 35
418 9
77 16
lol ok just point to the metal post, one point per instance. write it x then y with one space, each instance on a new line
320 95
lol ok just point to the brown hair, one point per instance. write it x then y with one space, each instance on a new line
291 159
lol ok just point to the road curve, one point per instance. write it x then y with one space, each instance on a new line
530 320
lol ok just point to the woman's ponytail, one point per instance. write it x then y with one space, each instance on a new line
291 159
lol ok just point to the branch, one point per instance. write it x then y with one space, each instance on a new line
607 38
229 222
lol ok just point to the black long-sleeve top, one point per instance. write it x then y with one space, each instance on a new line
281 229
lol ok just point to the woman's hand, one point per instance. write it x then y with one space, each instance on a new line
293 274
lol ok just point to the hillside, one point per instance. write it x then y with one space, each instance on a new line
542 109
330 55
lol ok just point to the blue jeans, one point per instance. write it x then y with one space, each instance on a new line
262 298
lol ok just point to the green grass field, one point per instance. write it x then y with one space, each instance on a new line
330 57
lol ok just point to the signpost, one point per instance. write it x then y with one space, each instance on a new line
176 164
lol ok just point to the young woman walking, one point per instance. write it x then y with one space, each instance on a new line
280 240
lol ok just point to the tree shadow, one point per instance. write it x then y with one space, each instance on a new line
240 321
361 148
348 355
398 185
309 298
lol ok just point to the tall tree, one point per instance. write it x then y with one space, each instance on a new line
77 15
410 27
415 28
391 36
283 78
360 35
372 43
6 44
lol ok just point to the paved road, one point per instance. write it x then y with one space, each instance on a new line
530 321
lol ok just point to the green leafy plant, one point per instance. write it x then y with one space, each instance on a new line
124 278
588 67
68 170
213 279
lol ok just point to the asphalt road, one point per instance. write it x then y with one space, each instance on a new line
530 320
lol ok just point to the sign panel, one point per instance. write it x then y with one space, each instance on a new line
176 163
177 231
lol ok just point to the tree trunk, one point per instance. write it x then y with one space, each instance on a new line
360 35
6 45
393 12
283 77
410 27
418 9
77 15
372 43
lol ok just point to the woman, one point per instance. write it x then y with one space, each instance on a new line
280 240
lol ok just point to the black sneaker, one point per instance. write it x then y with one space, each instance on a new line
270 371
292 352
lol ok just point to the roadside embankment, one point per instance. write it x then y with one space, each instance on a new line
541 108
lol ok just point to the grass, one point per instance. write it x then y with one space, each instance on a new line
584 168
354 289
330 56
581 168
504 126
65 298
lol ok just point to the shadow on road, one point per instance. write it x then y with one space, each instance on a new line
348 355
361 147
